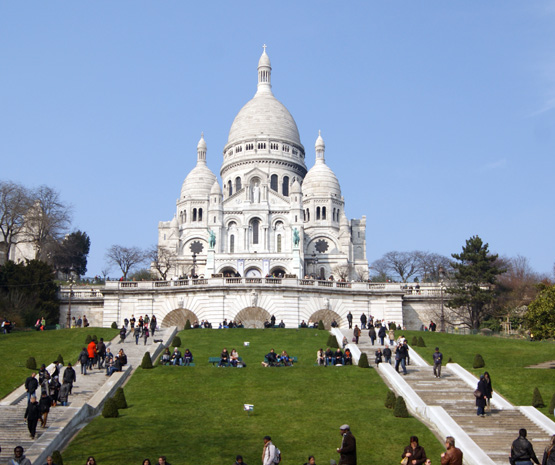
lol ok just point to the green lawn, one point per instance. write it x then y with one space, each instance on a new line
17 347
195 415
506 361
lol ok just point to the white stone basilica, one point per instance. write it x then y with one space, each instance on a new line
271 216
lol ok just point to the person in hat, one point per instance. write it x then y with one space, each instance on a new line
348 449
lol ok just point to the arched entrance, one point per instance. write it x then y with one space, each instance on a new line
178 318
228 272
253 317
278 272
327 316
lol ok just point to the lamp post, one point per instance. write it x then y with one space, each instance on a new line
194 264
71 283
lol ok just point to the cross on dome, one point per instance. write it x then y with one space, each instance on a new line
264 47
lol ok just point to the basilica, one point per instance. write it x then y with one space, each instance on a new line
270 215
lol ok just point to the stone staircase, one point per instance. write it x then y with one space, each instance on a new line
13 429
493 433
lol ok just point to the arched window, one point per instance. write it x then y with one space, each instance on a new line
232 243
200 214
185 216
237 184
255 225
333 215
323 213
229 188
194 214
317 213
322 273
307 214
274 182
279 243
285 186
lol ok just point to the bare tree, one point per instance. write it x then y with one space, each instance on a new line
162 259
432 266
403 264
343 272
361 273
125 257
14 203
47 220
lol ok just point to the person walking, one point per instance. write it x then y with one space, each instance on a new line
363 321
145 333
348 450
269 452
438 359
101 348
381 334
45 403
480 394
453 455
31 386
153 324
372 334
387 355
489 390
137 334
549 453
522 452
350 320
32 415
69 376
84 360
356 333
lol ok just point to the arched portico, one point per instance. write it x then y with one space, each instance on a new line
327 316
178 318
253 317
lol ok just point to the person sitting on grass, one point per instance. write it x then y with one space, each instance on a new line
166 357
176 358
187 358
285 359
321 358
234 358
348 357
329 357
270 360
338 357
224 358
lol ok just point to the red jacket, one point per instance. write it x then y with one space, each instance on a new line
91 349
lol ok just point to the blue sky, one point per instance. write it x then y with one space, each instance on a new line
438 117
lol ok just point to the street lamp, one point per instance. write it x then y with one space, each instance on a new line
71 283
194 264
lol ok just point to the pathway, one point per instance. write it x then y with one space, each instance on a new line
89 391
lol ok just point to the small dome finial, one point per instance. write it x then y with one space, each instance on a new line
201 149
264 72
320 148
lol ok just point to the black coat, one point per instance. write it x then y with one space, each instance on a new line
69 375
348 450
481 401
31 384
32 413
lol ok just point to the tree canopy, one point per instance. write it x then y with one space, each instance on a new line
125 257
70 255
540 317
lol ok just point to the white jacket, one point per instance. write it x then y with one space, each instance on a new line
269 454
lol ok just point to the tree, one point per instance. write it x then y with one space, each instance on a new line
473 283
361 273
342 272
14 203
125 257
540 317
70 255
402 264
46 221
162 260
432 267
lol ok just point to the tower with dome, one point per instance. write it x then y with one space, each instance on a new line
269 215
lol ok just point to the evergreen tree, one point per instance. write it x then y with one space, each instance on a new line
119 398
70 255
363 361
400 410
540 316
332 342
473 284
390 399
146 363
57 458
110 409
478 361
537 399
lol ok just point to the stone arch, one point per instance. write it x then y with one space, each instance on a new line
178 318
327 316
228 270
279 270
253 317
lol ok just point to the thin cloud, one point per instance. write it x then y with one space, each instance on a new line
496 165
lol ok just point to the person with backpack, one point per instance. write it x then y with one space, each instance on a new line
270 454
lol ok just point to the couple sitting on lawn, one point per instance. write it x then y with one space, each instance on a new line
227 358
176 358
274 360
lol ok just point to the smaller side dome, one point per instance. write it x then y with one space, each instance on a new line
296 187
200 180
216 189
320 181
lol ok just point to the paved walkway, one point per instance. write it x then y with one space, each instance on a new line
89 389
494 433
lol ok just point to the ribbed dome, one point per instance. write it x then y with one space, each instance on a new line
216 189
321 181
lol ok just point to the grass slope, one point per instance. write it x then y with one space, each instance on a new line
195 415
506 361
17 347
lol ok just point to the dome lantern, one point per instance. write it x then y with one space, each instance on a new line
264 72
320 148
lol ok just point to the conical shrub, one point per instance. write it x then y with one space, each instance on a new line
114 325
60 359
421 342
176 341
537 399
414 341
390 399
321 326
95 339
31 363
57 458
147 361
332 342
119 398
400 410
552 403
363 361
110 409
88 339
478 362
187 324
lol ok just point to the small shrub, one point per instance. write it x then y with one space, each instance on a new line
400 408
478 362
363 361
119 398
88 340
332 342
450 360
114 325
31 363
552 404
146 364
414 341
537 400
390 399
421 342
176 341
57 458
187 324
321 326
95 339
110 409
60 359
